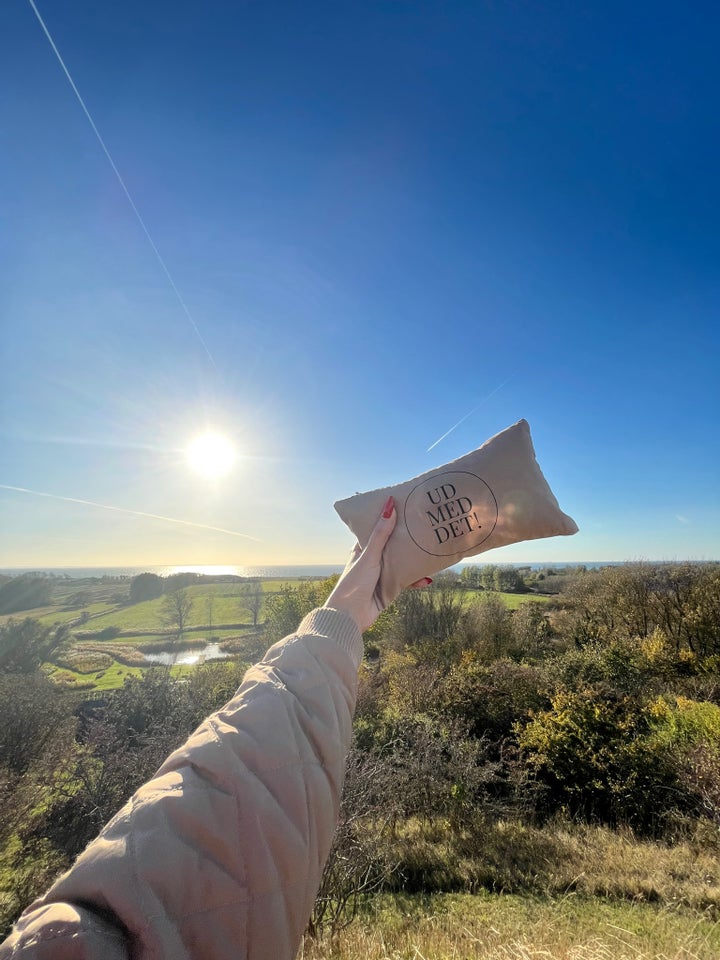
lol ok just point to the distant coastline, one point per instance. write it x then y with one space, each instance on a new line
285 571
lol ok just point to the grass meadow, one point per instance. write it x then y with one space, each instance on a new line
565 891
487 926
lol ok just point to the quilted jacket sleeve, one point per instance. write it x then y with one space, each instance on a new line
220 855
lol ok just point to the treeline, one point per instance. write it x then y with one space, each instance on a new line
600 706
27 592
509 579
24 593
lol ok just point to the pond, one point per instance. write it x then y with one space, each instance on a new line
211 651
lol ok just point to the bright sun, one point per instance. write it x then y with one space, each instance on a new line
211 455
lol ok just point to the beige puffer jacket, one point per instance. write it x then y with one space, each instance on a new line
221 854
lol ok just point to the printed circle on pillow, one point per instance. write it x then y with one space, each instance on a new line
450 512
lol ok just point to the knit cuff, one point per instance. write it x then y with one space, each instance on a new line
335 625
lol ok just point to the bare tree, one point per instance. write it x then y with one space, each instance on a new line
176 609
252 598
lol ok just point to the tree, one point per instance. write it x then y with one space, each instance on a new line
285 609
487 626
176 609
26 644
490 698
487 576
427 620
530 626
252 599
471 577
36 715
146 586
508 580
359 862
209 605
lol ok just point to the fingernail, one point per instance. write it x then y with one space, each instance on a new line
388 508
428 581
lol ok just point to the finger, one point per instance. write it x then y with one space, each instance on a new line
382 530
419 584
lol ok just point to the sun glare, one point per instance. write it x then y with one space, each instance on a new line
211 455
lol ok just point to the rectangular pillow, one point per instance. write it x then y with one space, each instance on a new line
491 497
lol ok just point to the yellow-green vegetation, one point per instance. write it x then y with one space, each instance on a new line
526 780
488 926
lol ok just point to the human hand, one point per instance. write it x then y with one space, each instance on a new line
355 592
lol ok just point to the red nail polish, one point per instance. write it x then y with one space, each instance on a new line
388 508
428 581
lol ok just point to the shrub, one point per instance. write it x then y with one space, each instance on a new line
600 760
689 732
487 627
491 698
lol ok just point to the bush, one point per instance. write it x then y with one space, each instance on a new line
26 644
619 665
285 609
487 627
426 620
689 732
600 760
491 698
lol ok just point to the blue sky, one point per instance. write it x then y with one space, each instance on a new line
381 217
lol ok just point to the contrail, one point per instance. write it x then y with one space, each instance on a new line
122 183
132 513
474 409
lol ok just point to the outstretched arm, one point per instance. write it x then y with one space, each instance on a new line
221 854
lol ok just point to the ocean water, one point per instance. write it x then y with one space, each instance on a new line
312 570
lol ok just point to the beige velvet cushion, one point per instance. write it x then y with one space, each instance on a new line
491 497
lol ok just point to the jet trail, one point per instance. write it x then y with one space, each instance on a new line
122 184
132 513
474 409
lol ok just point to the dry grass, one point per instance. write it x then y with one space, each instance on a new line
562 858
497 927
566 892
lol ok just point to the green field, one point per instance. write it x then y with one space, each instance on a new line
514 600
110 679
220 603
93 663
63 616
